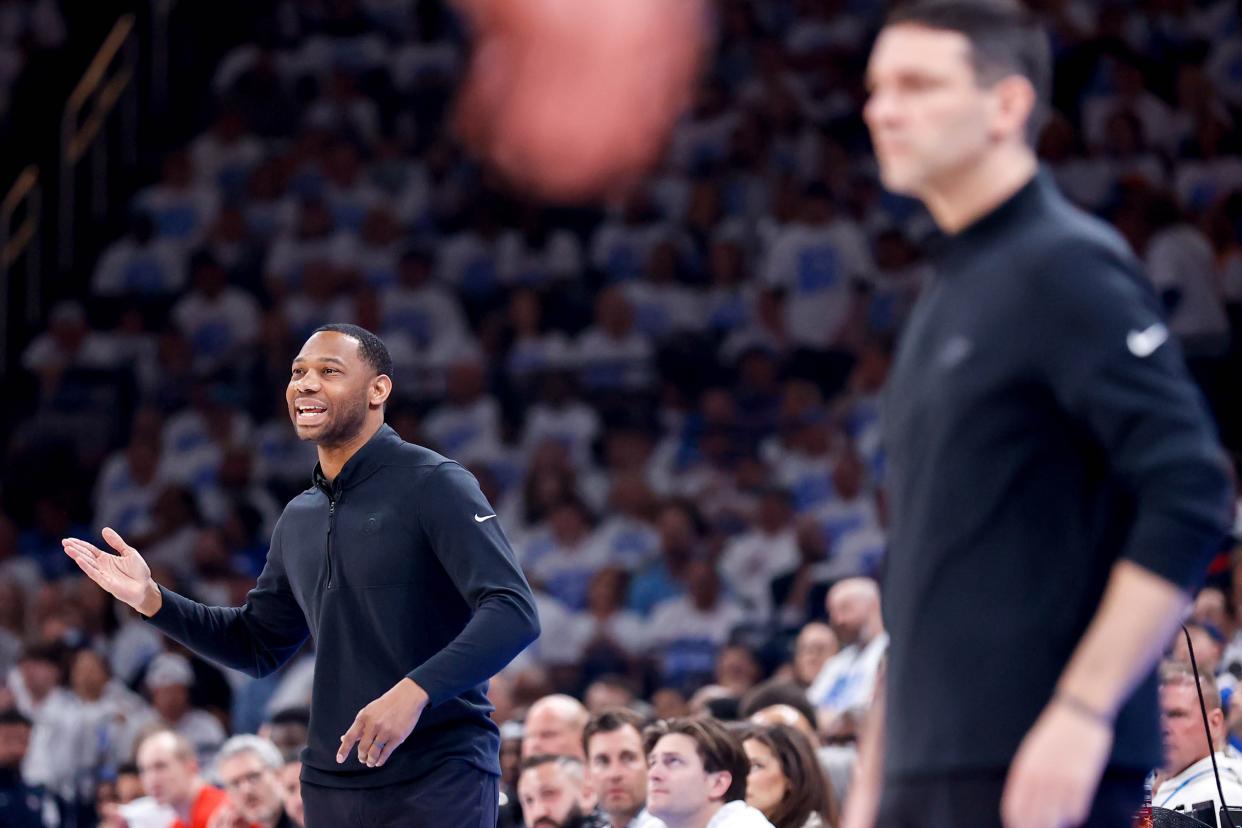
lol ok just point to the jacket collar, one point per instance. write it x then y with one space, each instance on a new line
365 462
1025 203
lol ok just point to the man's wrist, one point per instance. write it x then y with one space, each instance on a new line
414 687
1082 708
152 599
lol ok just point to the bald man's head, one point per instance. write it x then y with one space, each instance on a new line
168 767
854 610
554 727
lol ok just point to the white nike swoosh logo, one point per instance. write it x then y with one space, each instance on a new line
478 519
1144 343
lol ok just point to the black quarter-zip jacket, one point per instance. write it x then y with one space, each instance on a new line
397 568
1039 425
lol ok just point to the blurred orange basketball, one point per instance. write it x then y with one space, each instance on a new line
574 99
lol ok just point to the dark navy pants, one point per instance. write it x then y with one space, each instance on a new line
973 801
454 795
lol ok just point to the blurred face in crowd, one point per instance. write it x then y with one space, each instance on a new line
1211 608
288 737
167 772
550 796
14 742
851 611
766 784
678 786
815 645
291 791
171 702
89 675
253 787
618 772
40 675
603 695
1181 726
554 727
929 115
332 389
129 787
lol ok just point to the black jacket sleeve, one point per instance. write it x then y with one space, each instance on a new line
1111 362
256 638
478 559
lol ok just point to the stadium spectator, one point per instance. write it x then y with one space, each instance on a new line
697 773
1187 776
168 682
617 765
22 804
843 689
554 727
176 793
249 769
555 793
786 781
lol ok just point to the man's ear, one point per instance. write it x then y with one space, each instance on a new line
1015 106
381 389
718 784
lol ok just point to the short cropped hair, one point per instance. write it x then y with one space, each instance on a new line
267 752
1005 39
1174 672
718 748
611 720
572 766
370 347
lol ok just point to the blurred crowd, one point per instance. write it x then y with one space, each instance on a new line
27 28
672 399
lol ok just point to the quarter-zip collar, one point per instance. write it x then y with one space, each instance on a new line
365 462
951 251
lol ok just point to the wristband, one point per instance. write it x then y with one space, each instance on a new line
1082 708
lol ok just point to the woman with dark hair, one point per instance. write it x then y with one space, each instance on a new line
785 780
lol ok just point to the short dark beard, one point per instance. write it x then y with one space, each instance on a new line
345 426
571 819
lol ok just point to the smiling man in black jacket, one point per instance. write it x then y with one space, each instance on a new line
393 560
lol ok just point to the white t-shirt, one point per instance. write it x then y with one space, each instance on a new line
664 310
559 641
574 426
1198 784
614 364
465 432
621 250
518 263
126 267
218 162
751 561
846 682
629 543
180 215
469 263
1199 183
816 265
1181 258
678 618
624 628
427 314
218 327
565 572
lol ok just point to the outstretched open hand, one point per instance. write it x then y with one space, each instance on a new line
124 575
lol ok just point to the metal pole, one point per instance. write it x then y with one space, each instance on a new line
34 257
68 170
